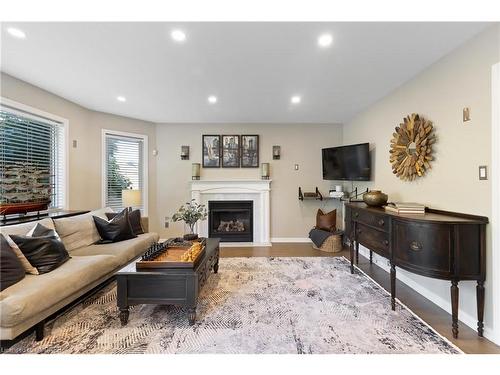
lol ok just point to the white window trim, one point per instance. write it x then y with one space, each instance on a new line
495 188
145 171
35 113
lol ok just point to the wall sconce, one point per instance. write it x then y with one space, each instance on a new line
195 171
184 152
265 171
276 152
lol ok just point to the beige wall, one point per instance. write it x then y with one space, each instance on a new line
461 79
84 126
300 144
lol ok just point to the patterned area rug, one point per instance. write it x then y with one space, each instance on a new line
253 305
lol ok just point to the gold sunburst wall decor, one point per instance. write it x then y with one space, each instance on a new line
411 147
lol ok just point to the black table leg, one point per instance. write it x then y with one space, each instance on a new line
357 252
124 315
480 307
454 308
216 267
393 286
371 257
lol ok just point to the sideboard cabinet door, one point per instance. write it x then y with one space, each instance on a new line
424 248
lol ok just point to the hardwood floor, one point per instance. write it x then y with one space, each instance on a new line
432 314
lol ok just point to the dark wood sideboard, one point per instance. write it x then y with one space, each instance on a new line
440 244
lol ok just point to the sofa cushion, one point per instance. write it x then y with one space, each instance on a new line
23 229
34 294
11 269
79 231
124 251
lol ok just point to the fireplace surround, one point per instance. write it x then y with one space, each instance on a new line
257 191
231 221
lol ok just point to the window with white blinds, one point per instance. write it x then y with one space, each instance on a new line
32 157
124 168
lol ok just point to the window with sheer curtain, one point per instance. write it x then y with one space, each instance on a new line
124 168
37 145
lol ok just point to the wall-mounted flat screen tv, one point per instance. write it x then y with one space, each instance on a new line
348 163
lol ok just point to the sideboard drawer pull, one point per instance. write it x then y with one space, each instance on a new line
386 243
415 246
356 214
381 222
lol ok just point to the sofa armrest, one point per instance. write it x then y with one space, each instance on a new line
145 223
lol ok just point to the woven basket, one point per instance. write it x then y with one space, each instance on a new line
332 244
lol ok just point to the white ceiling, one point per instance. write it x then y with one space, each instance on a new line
253 68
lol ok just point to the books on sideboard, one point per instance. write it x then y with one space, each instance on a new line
405 208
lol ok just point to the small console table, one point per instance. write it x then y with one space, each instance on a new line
439 244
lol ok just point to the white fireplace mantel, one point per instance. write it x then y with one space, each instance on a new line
258 191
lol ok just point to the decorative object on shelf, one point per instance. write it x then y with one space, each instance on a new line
131 198
375 198
230 151
265 171
184 152
276 152
25 187
311 195
411 147
250 151
211 151
190 213
195 171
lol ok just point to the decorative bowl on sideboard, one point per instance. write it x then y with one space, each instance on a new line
375 198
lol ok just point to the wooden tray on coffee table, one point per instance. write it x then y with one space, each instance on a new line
175 256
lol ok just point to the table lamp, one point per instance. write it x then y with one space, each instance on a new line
131 198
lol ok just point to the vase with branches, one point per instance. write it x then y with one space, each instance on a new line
190 213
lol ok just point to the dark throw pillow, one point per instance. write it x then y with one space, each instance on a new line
326 221
134 217
116 230
41 231
45 253
11 269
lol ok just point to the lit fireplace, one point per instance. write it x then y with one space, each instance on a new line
231 221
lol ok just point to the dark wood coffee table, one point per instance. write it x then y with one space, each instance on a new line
174 286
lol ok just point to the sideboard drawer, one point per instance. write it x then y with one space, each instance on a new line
373 239
424 246
379 221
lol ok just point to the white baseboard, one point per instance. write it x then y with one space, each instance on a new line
290 239
245 244
464 317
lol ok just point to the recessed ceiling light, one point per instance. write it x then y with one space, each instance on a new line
178 35
325 40
212 99
295 99
121 98
16 33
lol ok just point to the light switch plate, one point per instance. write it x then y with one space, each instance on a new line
483 172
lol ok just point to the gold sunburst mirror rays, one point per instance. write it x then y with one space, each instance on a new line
411 147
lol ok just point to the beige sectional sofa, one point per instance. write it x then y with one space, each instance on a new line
36 297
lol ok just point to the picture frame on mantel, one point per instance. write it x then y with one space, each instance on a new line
211 151
250 151
230 151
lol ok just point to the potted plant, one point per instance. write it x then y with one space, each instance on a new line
190 213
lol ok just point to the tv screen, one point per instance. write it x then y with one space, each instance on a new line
351 163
